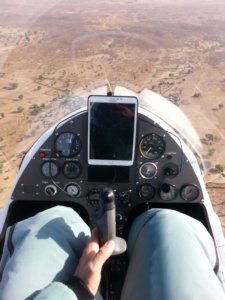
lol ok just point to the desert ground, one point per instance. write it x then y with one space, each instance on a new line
51 52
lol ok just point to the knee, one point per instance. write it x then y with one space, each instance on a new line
59 211
164 217
155 215
160 222
58 222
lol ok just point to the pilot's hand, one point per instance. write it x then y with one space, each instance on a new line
92 260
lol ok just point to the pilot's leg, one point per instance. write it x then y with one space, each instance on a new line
172 257
40 250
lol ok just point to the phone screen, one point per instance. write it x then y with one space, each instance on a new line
111 130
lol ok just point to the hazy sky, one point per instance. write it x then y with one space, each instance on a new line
25 12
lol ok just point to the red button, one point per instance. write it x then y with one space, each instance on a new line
42 154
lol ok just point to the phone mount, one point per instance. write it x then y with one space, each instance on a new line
105 219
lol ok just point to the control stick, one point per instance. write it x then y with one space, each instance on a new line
105 219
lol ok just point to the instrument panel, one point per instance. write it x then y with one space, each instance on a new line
58 171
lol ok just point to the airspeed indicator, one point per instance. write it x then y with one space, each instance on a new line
152 146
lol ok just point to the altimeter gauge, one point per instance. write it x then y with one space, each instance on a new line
68 144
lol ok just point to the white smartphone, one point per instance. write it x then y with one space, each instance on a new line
112 124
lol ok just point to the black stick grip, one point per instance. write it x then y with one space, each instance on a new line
105 219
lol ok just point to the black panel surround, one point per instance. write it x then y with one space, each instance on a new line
171 173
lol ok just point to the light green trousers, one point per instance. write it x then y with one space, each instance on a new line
172 257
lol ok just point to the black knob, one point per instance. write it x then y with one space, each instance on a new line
50 190
107 195
165 188
171 170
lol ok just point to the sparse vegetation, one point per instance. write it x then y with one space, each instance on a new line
1 168
33 132
196 94
20 109
20 97
23 153
175 99
209 137
40 77
2 115
219 167
1 139
37 88
211 152
11 86
36 109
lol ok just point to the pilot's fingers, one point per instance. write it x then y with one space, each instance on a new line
95 235
93 246
103 254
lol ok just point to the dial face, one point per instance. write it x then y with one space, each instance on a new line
68 144
72 169
50 169
72 190
152 146
190 192
148 170
146 192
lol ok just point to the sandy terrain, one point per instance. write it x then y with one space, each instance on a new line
48 54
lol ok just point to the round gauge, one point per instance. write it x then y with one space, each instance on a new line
152 146
71 169
148 170
68 144
73 190
50 169
146 192
189 192
167 192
